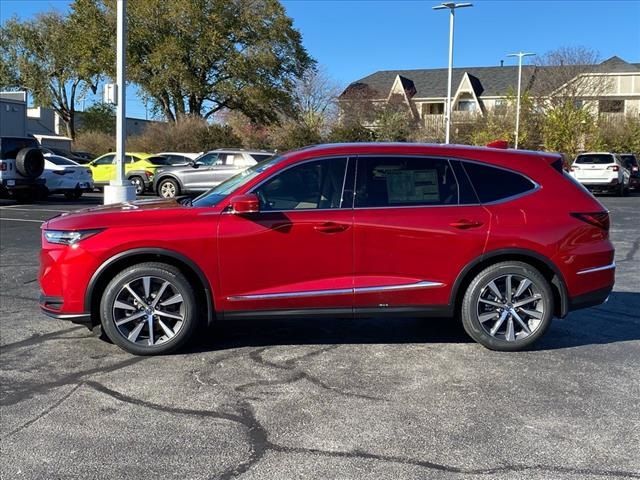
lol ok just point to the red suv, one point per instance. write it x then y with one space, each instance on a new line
502 239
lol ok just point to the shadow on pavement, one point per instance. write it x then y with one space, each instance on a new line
616 321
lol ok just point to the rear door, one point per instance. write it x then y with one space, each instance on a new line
415 228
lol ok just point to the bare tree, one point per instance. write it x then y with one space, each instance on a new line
315 100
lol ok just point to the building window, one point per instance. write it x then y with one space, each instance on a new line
466 106
432 109
611 106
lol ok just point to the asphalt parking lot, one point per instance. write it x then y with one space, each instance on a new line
408 399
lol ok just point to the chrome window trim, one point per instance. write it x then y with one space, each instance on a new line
611 266
337 291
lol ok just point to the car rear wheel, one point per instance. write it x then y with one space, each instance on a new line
149 309
73 194
507 306
138 183
168 188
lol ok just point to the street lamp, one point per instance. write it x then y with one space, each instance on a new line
520 55
451 6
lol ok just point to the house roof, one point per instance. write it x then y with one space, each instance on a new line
486 81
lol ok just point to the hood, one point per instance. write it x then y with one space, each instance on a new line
137 213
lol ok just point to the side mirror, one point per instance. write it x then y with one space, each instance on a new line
248 203
194 164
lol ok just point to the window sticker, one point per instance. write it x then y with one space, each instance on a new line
413 186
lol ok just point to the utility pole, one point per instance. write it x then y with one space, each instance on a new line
120 189
452 7
520 55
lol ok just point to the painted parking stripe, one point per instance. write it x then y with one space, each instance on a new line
20 220
35 209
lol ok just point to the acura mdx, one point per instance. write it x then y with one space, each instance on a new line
502 240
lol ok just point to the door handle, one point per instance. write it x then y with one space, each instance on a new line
465 224
331 227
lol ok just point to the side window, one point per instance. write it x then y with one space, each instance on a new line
492 184
106 160
208 159
405 181
243 160
310 185
225 159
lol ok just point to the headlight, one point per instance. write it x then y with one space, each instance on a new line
68 237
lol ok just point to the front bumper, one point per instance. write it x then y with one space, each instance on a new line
51 307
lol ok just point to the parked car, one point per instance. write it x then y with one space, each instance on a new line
81 159
66 176
140 169
207 171
351 230
179 158
85 155
601 172
631 163
21 164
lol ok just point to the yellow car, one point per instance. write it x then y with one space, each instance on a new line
139 169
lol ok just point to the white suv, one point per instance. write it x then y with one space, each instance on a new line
601 172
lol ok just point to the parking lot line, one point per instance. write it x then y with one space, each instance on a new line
35 209
21 220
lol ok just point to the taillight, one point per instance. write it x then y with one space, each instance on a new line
597 219
149 173
574 168
615 168
3 167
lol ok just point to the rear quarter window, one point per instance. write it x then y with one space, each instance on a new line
493 184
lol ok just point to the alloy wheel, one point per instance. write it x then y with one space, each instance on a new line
167 190
137 182
148 311
510 307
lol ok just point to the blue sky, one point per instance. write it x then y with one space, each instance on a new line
353 38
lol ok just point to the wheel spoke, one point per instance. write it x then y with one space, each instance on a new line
491 302
493 287
123 306
532 313
150 323
499 323
527 300
510 334
146 284
159 294
508 288
485 317
524 284
168 315
177 298
133 336
522 323
130 318
136 296
167 331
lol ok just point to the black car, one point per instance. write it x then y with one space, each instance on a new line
631 163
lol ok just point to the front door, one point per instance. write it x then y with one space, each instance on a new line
415 228
297 252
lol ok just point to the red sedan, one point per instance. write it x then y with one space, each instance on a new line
503 240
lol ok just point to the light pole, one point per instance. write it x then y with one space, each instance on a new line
119 189
520 55
452 7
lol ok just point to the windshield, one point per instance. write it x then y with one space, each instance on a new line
219 192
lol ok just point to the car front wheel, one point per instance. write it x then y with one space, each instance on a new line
507 306
168 188
149 309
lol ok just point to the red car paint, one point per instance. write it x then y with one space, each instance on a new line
273 261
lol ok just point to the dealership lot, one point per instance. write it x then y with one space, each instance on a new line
324 399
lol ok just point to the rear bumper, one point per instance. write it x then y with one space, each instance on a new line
590 299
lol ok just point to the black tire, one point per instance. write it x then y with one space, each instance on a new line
158 272
26 195
73 194
471 305
30 162
138 183
169 185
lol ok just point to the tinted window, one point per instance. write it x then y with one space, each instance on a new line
158 160
60 160
9 147
106 160
595 159
493 184
396 181
307 186
629 160
260 157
